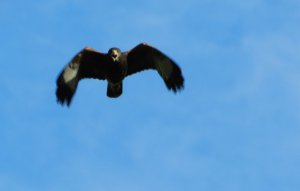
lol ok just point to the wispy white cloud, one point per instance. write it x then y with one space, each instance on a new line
272 59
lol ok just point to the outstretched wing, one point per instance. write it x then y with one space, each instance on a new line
144 57
88 63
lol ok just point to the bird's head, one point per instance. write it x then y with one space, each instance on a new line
114 54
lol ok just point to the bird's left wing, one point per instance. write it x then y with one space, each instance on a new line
144 56
88 63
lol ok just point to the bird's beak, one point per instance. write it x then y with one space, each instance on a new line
114 57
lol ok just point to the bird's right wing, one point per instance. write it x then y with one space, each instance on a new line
88 63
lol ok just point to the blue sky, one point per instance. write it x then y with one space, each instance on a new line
234 127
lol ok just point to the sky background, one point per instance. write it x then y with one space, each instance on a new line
236 125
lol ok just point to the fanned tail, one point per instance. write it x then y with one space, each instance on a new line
114 90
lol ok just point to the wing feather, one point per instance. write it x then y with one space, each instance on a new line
144 56
88 63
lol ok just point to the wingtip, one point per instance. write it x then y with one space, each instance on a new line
59 102
176 88
176 82
63 102
63 95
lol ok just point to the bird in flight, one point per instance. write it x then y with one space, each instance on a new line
114 66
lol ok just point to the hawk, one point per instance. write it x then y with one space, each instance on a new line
114 66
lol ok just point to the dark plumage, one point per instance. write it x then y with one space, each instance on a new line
114 67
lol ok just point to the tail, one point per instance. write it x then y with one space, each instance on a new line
114 90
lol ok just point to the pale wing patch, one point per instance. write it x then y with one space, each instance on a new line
72 69
164 66
70 72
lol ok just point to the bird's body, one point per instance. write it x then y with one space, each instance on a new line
114 67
